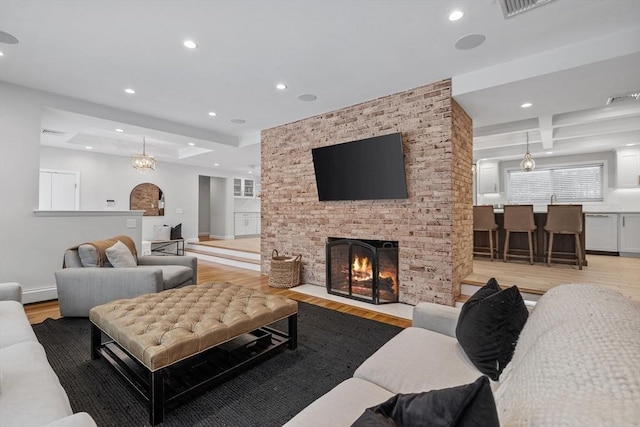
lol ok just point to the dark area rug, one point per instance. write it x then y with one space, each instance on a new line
331 345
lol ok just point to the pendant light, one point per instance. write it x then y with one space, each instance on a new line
143 163
527 164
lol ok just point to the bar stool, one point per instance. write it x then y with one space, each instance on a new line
485 220
564 219
519 219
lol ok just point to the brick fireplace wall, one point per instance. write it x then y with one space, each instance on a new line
433 226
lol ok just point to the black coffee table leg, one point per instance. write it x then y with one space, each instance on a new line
156 398
96 340
293 331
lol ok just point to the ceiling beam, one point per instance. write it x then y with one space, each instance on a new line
546 131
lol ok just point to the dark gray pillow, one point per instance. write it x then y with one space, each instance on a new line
470 405
176 232
489 325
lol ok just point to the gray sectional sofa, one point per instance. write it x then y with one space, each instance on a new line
30 392
82 288
576 363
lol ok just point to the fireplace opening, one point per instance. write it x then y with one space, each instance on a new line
365 270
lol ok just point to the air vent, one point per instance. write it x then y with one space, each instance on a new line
627 97
53 132
515 7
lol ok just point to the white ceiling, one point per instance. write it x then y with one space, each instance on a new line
565 56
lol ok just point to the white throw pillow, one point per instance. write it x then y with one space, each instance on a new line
161 232
120 256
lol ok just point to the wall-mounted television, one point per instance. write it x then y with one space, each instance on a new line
367 169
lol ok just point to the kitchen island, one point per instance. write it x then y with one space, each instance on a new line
563 244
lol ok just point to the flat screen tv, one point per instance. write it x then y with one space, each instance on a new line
367 169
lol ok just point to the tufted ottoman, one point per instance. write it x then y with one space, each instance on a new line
216 328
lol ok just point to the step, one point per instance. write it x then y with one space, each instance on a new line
225 259
216 251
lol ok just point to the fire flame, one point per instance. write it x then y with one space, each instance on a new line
363 268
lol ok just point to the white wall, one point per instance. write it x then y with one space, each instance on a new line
31 247
105 177
615 200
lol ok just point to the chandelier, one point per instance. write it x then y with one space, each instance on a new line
527 164
142 162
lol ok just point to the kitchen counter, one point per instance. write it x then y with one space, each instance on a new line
585 209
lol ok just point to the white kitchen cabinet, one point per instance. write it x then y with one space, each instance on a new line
247 224
629 234
237 187
243 187
601 232
488 177
628 168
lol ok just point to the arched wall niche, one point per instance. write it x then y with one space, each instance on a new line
147 197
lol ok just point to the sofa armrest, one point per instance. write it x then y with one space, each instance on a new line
81 419
185 260
436 317
11 291
80 289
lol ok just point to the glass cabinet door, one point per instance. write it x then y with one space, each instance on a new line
237 187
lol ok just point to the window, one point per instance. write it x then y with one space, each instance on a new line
570 184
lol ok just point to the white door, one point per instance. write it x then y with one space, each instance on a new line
59 190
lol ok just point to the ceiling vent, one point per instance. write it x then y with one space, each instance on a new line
53 132
627 97
515 7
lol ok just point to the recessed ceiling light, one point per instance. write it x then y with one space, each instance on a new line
212 114
88 147
526 105
470 41
1 54
631 144
455 15
549 152
238 121
281 86
308 97
130 91
119 130
192 144
216 164
190 44
250 172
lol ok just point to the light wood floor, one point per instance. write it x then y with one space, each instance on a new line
208 272
618 273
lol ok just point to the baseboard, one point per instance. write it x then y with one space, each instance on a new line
630 254
203 233
37 295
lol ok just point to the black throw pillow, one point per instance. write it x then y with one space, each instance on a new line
176 232
470 405
489 325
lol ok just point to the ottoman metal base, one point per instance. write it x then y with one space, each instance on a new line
172 384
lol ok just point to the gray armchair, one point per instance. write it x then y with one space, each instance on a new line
82 288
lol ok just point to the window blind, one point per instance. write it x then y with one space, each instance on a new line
582 183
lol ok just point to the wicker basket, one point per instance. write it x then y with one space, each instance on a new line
285 271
